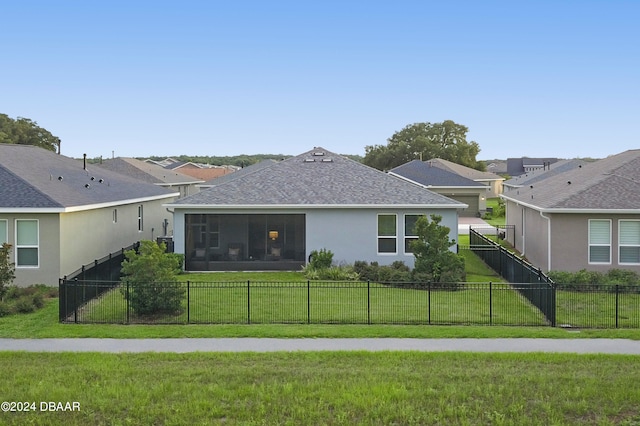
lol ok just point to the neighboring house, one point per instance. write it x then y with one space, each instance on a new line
203 172
447 183
59 213
240 173
498 167
536 176
153 173
274 217
520 166
585 218
492 180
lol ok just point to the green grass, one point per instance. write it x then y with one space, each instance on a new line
327 302
328 388
44 324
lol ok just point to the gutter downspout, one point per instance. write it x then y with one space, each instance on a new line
548 240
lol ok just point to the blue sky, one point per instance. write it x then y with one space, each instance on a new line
140 78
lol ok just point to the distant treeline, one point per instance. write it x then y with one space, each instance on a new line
237 160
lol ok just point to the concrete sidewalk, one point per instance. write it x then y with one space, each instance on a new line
580 346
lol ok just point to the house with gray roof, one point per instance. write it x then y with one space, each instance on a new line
537 175
59 213
522 165
274 217
153 173
447 183
585 218
491 180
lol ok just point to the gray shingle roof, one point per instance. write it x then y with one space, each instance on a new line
464 171
317 178
30 178
146 172
612 183
530 178
240 172
429 175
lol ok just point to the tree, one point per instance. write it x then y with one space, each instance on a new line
434 261
26 132
446 140
151 276
7 268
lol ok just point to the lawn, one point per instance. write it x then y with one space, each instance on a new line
329 388
329 302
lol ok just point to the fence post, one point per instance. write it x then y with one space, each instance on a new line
368 302
248 302
490 303
128 297
188 304
617 297
75 300
308 301
429 301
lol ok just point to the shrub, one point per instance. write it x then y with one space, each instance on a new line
7 268
396 272
321 259
593 280
152 285
434 260
24 305
5 309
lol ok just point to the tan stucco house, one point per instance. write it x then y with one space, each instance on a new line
585 218
59 213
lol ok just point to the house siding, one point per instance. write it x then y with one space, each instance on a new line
569 239
48 269
92 234
351 234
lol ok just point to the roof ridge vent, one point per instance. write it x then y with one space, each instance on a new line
327 160
309 160
318 153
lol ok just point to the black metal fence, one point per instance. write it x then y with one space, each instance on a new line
103 273
314 302
310 302
515 270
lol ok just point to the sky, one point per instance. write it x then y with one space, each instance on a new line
222 78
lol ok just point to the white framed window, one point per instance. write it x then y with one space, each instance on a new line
387 233
4 231
115 215
410 231
140 218
27 243
629 242
600 241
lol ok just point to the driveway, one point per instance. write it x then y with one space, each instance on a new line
476 222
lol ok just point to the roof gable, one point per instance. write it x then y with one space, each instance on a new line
317 177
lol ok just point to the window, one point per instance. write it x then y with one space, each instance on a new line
410 231
599 241
629 241
115 215
140 219
26 243
4 238
387 233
